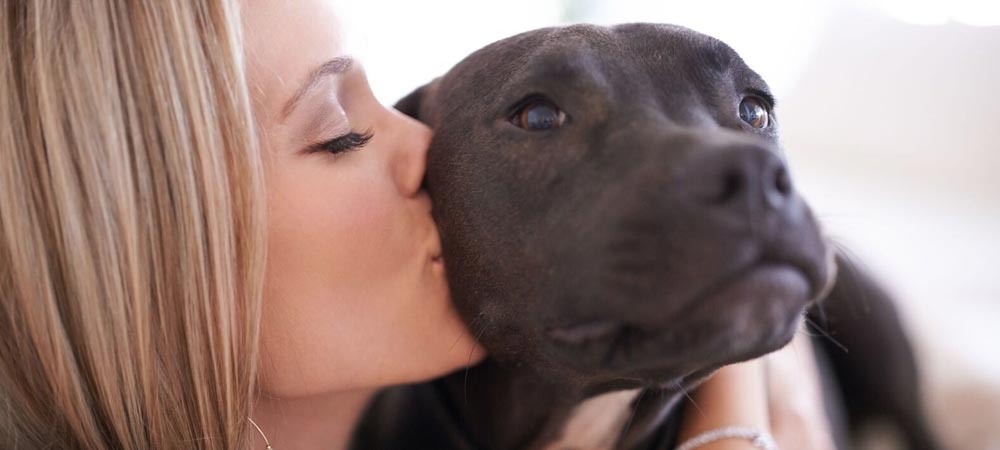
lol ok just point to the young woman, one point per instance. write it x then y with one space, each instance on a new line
206 217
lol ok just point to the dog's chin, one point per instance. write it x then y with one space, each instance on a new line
746 316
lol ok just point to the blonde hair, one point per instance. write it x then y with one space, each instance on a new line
131 229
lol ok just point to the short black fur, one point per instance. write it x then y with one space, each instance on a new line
650 240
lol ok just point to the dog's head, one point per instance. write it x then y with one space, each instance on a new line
614 207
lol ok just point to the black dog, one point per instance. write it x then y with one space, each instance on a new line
616 217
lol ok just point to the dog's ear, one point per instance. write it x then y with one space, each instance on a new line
419 103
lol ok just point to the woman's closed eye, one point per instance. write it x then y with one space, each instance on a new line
342 144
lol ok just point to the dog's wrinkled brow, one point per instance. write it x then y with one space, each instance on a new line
573 69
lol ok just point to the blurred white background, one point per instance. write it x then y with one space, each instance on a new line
890 115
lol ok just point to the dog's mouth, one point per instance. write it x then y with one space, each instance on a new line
744 315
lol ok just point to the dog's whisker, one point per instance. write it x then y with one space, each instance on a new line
472 325
468 364
853 265
820 309
804 331
826 335
635 410
691 399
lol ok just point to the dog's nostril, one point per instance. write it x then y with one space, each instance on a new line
782 182
777 186
739 177
732 184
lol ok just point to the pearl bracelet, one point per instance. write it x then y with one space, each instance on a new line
757 438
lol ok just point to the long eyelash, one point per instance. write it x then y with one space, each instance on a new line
341 144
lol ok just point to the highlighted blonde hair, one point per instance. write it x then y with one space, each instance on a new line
131 229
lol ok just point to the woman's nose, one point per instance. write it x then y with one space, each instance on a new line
410 159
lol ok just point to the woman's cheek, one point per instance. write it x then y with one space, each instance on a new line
365 231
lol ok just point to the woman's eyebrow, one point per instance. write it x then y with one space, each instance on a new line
335 66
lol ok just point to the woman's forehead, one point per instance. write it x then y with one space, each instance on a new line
285 41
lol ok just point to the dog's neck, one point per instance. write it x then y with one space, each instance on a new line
515 408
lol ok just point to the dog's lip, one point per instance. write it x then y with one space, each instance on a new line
587 332
772 270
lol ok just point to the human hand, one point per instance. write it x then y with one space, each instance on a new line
795 399
736 395
779 393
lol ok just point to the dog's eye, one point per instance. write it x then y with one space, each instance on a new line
539 114
754 112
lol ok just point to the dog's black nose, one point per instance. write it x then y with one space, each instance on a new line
740 177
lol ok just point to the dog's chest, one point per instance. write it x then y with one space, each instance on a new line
597 422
